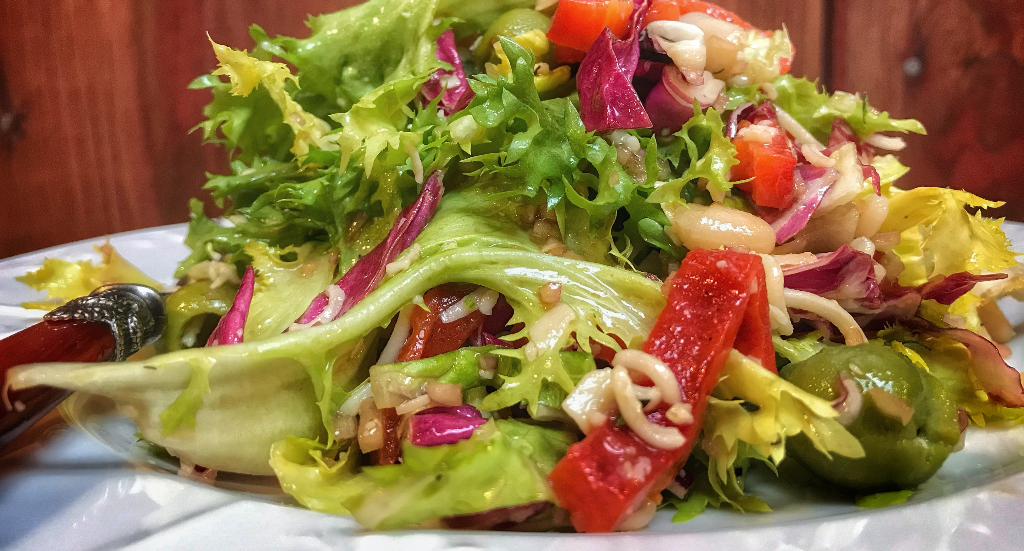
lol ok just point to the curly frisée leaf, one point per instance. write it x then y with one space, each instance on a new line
938 237
702 151
247 72
782 410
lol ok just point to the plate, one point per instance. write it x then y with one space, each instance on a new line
63 488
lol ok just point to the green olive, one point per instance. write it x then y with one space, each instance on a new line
193 311
907 422
510 24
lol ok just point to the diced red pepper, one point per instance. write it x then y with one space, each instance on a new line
770 165
430 336
578 23
391 449
716 301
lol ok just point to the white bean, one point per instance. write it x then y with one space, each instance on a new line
720 226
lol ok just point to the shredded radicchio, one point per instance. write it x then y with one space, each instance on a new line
368 272
493 324
900 303
502 518
842 134
814 183
608 100
840 275
1001 382
444 425
231 327
452 83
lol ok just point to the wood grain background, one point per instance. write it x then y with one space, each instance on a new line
94 110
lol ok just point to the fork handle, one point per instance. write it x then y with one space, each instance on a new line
47 341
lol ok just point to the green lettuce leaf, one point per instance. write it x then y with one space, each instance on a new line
700 150
939 237
247 72
287 280
504 463
798 349
355 50
266 390
816 109
395 383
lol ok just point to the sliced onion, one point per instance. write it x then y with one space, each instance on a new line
684 43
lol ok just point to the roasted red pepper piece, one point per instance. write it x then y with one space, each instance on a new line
608 474
577 23
391 450
770 165
430 337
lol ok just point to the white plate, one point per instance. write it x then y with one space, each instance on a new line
68 491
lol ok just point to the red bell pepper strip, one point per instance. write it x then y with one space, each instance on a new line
578 23
716 301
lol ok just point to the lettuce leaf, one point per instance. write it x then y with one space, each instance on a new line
353 51
938 236
282 386
504 463
286 281
780 410
701 150
816 109
247 72
64 280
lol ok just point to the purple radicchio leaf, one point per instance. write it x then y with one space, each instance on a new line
369 270
843 274
608 100
444 425
453 83
230 327
1001 382
815 182
503 518
899 303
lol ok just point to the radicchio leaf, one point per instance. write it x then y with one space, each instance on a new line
444 425
231 327
1001 382
368 272
840 275
843 134
608 100
815 182
900 303
453 83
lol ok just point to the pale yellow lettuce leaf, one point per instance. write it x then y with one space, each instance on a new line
64 280
938 237
783 410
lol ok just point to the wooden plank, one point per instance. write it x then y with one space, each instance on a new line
101 92
958 67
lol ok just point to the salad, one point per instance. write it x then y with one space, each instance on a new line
506 265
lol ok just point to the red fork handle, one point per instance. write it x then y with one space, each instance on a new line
47 341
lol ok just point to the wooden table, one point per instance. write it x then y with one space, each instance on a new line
95 113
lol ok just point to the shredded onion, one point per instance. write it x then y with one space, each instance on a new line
799 133
351 405
888 143
666 438
664 379
548 329
682 42
828 309
401 333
